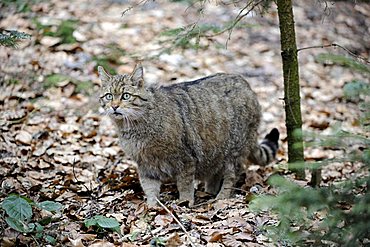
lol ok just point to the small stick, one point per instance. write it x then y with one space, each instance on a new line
177 220
335 45
74 175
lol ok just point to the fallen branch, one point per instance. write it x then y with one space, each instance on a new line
177 221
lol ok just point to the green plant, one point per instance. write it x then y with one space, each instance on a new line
103 223
12 81
10 38
56 80
20 216
106 63
338 214
189 36
157 242
20 5
110 58
328 58
83 86
64 30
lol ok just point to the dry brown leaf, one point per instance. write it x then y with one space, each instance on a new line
49 41
43 165
243 236
252 178
201 219
163 220
24 137
216 237
67 159
128 245
8 242
38 176
101 243
231 241
42 147
118 216
174 240
110 151
68 128
76 242
214 245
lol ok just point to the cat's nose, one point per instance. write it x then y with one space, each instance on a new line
114 107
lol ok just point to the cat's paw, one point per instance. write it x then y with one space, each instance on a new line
152 202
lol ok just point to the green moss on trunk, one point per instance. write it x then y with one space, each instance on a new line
291 84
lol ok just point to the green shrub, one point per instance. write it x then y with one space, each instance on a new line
20 217
338 214
10 38
64 30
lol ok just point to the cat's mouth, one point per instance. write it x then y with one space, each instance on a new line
117 115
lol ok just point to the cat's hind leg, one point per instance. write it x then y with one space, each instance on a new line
213 183
229 180
185 186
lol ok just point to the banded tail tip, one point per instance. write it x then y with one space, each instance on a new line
273 136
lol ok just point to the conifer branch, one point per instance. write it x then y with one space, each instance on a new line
10 38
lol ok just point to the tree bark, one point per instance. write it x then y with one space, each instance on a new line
292 98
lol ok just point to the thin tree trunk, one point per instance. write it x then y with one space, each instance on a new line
292 98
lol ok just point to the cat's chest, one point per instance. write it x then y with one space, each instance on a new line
132 147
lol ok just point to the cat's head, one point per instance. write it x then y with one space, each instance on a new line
123 96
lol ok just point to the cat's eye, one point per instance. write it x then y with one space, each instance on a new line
109 96
126 96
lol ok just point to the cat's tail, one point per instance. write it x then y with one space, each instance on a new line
265 152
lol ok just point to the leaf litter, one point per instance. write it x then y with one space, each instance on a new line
56 146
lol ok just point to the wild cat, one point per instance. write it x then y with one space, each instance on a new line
196 130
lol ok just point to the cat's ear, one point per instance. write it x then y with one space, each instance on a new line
103 75
137 76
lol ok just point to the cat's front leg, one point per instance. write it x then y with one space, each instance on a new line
185 186
151 188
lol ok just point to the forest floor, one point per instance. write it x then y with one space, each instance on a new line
56 146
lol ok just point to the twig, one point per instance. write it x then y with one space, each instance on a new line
238 18
177 220
74 175
134 6
38 244
335 45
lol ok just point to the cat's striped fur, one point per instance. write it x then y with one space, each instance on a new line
203 129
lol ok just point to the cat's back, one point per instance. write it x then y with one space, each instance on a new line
214 90
217 83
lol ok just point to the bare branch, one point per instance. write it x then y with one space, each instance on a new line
335 45
141 2
238 18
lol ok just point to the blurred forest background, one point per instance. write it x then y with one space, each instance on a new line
64 179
